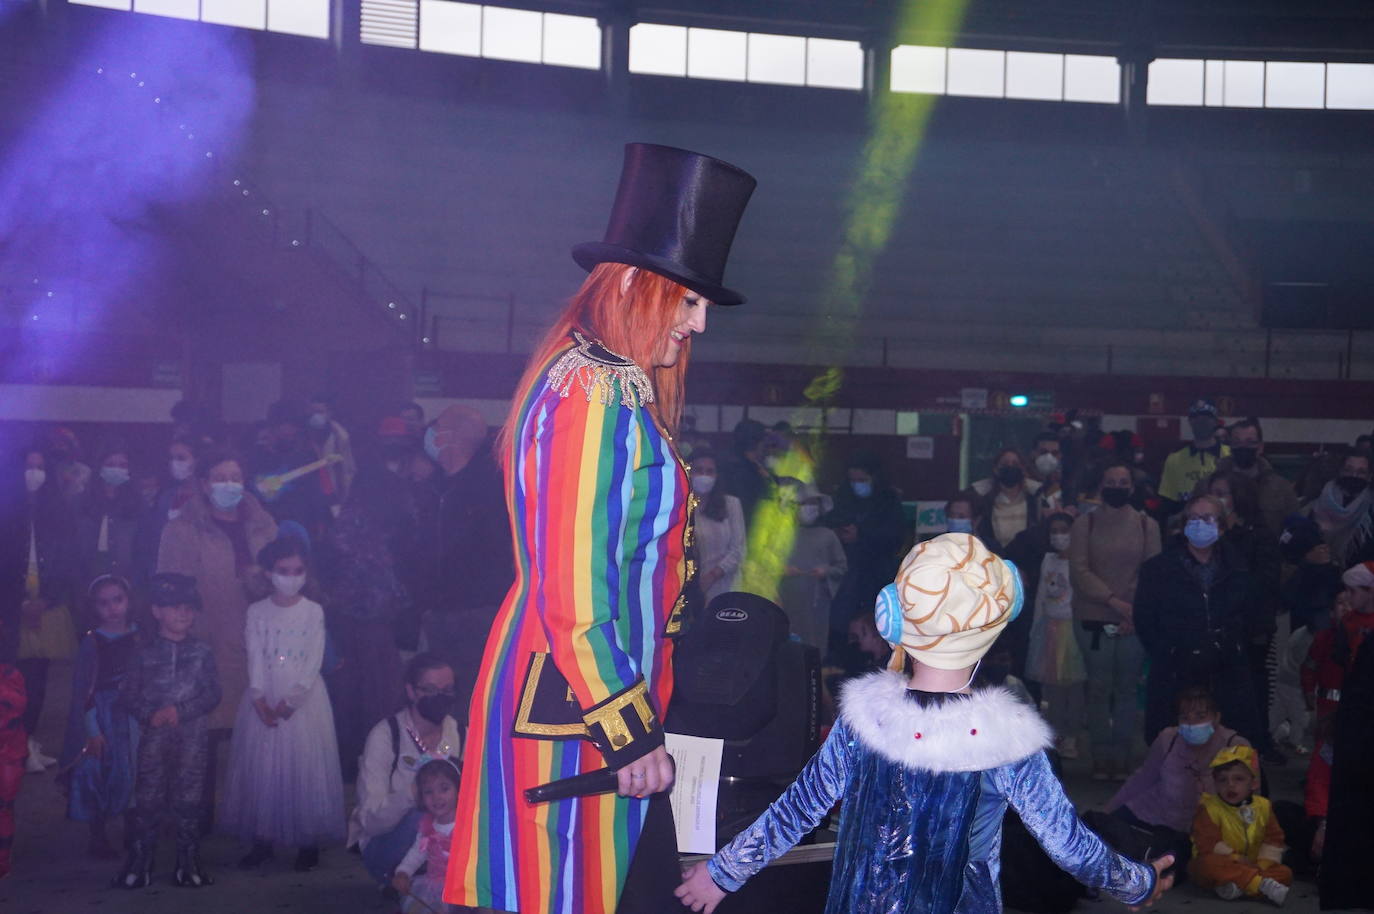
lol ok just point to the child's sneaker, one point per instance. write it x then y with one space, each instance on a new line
1229 891
1274 890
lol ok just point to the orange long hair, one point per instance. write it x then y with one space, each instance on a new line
634 324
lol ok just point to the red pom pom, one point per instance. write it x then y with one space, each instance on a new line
973 732
918 736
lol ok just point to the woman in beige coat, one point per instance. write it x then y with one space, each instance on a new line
215 540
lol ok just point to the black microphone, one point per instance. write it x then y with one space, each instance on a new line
589 784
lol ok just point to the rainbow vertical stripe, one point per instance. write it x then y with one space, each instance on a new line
598 506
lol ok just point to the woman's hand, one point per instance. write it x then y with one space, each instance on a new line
283 711
648 774
401 883
95 746
1162 883
698 890
265 713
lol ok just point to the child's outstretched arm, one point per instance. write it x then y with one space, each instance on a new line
818 788
1038 798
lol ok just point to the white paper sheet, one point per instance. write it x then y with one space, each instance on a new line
694 790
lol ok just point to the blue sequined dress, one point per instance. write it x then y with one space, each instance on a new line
925 782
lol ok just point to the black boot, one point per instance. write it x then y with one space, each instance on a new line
188 873
307 858
138 867
260 854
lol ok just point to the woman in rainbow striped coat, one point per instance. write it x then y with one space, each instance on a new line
577 672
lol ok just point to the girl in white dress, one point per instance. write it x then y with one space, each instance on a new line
284 785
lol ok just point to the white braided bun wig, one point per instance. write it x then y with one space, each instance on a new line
951 600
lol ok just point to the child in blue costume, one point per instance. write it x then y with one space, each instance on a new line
926 769
100 754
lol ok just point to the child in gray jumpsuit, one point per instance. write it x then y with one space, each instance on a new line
170 689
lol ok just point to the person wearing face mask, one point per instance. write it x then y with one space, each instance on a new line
216 539
108 513
1011 505
720 534
1047 469
1162 795
867 517
283 785
329 438
961 514
1345 512
1276 496
813 572
1106 550
1192 607
178 487
1053 658
1189 465
384 820
49 547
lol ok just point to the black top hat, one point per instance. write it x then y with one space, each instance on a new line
167 588
675 213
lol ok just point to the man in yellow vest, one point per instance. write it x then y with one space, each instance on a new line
1187 466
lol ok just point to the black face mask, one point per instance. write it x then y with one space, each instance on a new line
1010 476
434 708
1352 485
1114 497
1244 458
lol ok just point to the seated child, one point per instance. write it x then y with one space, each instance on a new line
925 768
14 748
170 689
437 786
1237 841
1161 797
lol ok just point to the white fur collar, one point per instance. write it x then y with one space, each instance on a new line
987 729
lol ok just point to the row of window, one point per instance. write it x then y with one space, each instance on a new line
502 33
476 30
1006 74
1260 84
293 17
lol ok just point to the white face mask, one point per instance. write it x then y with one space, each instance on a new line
1046 463
703 485
180 468
34 479
1059 542
288 585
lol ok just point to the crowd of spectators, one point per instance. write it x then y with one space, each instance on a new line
1213 604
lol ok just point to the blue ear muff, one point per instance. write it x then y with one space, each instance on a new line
887 615
1018 600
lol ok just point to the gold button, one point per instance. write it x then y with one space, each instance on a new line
618 741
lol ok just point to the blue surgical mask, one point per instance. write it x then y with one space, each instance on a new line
431 443
862 489
960 524
114 476
1201 533
226 495
1196 734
